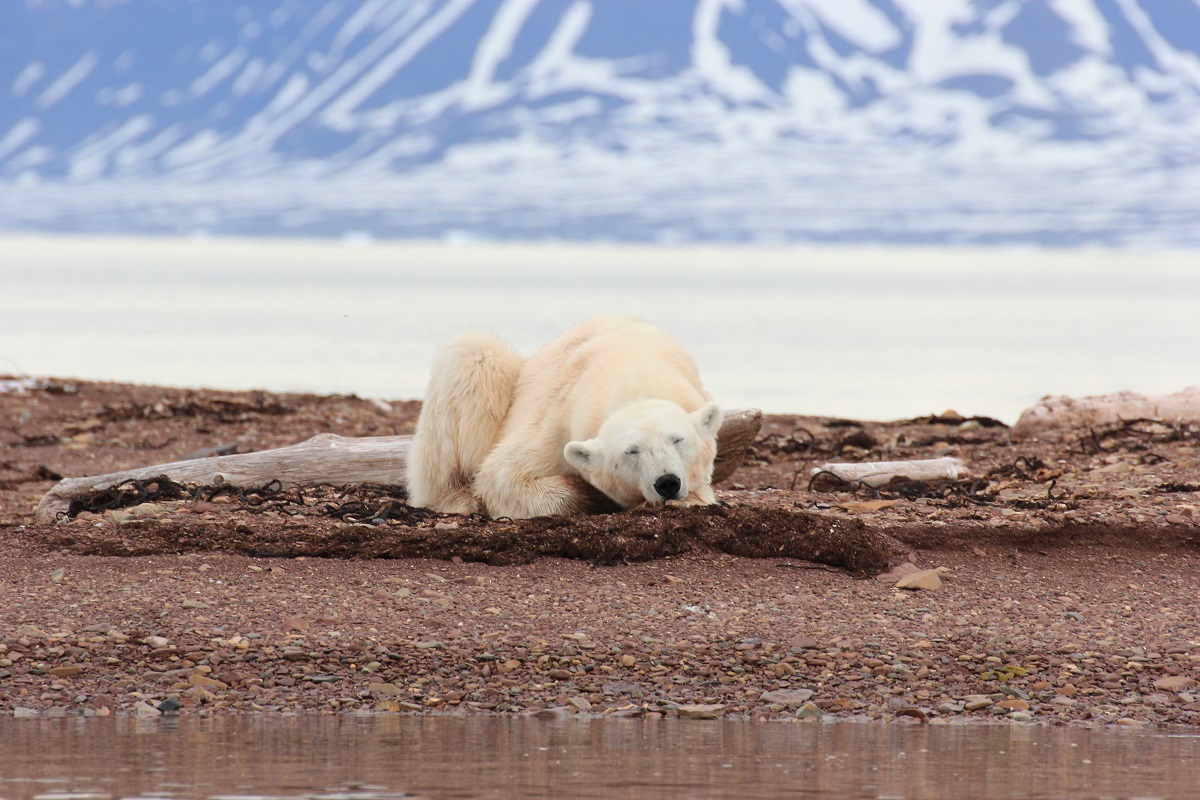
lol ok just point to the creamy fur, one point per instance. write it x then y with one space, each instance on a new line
513 437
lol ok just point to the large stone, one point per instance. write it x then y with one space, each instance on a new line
811 711
144 709
927 579
30 632
1175 683
196 679
67 671
702 711
787 697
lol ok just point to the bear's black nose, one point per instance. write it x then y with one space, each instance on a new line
667 486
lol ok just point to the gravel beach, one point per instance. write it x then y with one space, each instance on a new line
1064 590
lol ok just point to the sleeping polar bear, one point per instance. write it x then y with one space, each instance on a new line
614 401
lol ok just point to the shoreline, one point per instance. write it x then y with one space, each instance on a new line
1063 606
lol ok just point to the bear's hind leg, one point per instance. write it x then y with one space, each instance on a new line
470 389
506 493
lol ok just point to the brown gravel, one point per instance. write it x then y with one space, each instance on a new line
1070 595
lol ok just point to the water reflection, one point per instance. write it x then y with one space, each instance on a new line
440 757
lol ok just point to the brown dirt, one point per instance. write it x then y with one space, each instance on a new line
1071 588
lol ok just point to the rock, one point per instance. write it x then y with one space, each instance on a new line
144 709
294 623
976 702
811 711
702 711
628 661
196 679
168 705
1064 701
57 575
924 579
156 642
579 703
66 672
787 697
1021 716
897 572
1130 722
194 604
387 689
1074 616
914 713
25 712
1013 704
30 632
1175 683
950 708
552 713
560 675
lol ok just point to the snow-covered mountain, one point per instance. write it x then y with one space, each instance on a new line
1060 121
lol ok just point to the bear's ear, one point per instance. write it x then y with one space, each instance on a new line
709 418
580 454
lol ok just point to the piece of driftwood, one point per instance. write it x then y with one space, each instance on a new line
639 535
341 461
1055 418
880 473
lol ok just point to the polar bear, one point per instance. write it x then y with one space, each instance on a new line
613 402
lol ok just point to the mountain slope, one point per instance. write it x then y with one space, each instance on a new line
894 120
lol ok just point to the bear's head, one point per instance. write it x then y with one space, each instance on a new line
649 451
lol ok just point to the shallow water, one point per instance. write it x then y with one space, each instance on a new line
868 333
440 757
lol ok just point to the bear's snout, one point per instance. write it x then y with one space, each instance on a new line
667 486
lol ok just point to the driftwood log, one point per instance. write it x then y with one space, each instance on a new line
340 461
880 473
1054 418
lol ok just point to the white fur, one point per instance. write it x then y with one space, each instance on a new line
513 438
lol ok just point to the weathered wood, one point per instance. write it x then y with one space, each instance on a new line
879 473
338 460
1055 418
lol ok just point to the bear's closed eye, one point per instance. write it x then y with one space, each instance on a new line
632 451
